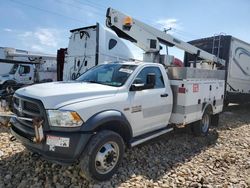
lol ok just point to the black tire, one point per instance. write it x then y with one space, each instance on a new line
215 120
4 85
225 104
8 84
91 165
201 127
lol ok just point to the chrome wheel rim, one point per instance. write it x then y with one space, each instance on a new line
107 157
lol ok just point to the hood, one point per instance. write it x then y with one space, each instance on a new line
5 77
57 94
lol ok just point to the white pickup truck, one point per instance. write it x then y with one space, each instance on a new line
113 106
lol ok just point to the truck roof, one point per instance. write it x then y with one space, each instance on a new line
83 28
135 63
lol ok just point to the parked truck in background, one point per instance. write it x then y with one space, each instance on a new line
88 47
236 54
120 104
5 67
26 67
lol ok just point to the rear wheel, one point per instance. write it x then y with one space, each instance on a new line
201 127
102 156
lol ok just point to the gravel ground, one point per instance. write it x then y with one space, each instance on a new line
222 159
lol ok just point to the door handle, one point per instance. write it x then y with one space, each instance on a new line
164 95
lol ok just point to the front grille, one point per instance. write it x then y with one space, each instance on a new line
16 101
32 107
29 108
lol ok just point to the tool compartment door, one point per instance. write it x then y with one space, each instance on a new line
188 103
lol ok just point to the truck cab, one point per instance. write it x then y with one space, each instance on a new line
91 46
18 74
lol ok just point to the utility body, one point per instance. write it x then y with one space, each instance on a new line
116 105
237 64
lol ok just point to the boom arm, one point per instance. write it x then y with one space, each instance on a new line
34 58
149 38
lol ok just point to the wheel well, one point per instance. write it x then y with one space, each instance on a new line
10 82
118 127
208 107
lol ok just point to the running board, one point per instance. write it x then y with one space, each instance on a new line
149 136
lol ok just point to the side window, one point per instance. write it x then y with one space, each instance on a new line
142 77
24 69
112 43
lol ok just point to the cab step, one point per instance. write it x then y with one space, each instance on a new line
148 136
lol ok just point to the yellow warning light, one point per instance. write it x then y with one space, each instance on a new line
127 21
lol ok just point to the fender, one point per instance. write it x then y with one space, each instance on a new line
7 83
206 106
109 119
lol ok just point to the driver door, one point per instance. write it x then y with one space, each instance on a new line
150 108
24 74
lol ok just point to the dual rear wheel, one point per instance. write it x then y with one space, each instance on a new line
201 127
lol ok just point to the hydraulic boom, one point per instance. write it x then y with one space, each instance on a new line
149 38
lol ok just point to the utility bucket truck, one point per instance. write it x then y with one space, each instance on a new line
120 104
25 68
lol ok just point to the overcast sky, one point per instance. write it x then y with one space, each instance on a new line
44 25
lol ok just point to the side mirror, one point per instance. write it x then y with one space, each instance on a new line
150 83
150 80
137 87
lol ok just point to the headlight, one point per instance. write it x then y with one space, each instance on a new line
60 118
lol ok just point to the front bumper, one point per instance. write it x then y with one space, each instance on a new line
77 143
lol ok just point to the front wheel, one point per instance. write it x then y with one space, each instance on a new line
201 127
102 156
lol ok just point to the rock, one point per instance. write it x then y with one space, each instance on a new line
207 186
97 186
7 177
195 184
248 181
1 153
23 184
234 180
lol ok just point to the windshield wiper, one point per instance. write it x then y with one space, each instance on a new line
92 81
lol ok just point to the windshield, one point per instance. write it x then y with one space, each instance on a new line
13 69
108 74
